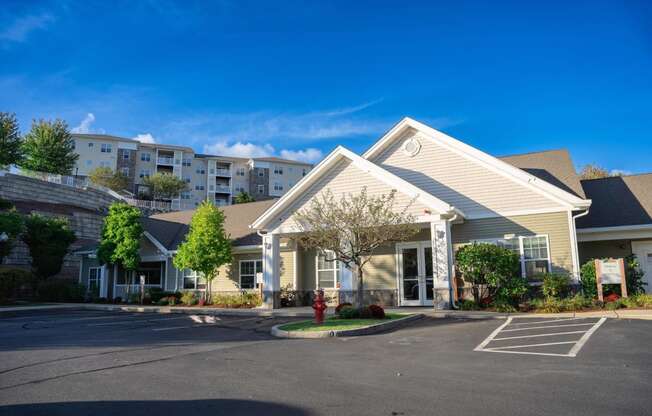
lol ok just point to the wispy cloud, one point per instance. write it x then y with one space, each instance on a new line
145 138
20 29
310 155
239 149
86 125
620 172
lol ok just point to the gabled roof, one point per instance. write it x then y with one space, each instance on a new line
331 160
471 153
168 234
618 201
552 166
236 222
103 137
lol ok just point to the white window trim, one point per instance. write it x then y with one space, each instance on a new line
337 270
195 276
240 272
99 276
522 259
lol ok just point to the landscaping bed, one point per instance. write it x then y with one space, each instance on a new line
335 323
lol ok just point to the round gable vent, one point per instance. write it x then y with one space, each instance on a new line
411 146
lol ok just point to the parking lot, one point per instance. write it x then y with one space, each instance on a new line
110 363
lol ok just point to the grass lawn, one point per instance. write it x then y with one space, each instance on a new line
334 324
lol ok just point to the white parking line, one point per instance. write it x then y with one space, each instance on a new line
545 322
509 349
135 321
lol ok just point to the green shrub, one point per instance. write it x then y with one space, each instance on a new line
12 280
339 307
376 311
59 290
240 300
156 294
504 307
189 298
468 305
349 312
555 305
134 297
5 205
555 285
493 272
48 240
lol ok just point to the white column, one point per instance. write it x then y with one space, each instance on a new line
442 262
104 282
271 270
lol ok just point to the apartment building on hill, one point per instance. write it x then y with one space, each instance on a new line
216 178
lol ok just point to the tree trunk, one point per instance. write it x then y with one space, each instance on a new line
360 292
208 291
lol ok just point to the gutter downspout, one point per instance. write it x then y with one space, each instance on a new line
575 244
451 265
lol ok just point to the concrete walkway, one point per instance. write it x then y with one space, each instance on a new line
306 311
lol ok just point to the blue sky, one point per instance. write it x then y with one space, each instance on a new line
296 79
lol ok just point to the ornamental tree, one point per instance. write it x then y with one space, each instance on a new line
10 143
106 177
353 227
48 240
49 147
164 185
207 246
120 239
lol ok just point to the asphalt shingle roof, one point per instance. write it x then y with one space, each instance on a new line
618 201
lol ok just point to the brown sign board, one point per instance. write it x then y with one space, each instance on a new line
609 272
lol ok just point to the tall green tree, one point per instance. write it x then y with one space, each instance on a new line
120 239
243 198
10 144
49 147
206 246
48 240
106 177
164 185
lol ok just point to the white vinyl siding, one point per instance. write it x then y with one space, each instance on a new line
463 183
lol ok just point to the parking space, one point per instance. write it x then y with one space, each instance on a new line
562 337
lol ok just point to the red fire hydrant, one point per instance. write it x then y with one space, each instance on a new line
319 305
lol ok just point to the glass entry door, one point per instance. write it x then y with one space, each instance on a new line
415 273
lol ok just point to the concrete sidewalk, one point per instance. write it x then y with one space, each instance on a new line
307 312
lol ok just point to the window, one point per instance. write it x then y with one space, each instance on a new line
240 172
239 188
192 280
105 164
533 250
278 170
290 185
261 189
248 270
199 187
74 144
125 154
89 162
186 179
94 274
106 148
152 271
278 186
185 195
303 172
144 173
187 162
200 171
145 157
261 173
90 144
125 171
328 271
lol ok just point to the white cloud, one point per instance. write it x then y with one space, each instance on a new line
145 138
19 29
620 172
310 155
239 149
86 125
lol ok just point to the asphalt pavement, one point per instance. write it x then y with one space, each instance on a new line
116 363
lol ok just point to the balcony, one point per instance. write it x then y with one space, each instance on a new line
165 160
222 189
223 172
221 202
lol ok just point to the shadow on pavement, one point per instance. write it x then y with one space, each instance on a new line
153 407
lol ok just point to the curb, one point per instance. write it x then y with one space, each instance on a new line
499 315
367 330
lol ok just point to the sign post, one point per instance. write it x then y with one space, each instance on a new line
609 272
259 283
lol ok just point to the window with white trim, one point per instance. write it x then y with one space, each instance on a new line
261 189
106 148
125 171
533 251
94 274
278 170
248 270
144 173
192 280
278 186
328 270
240 172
